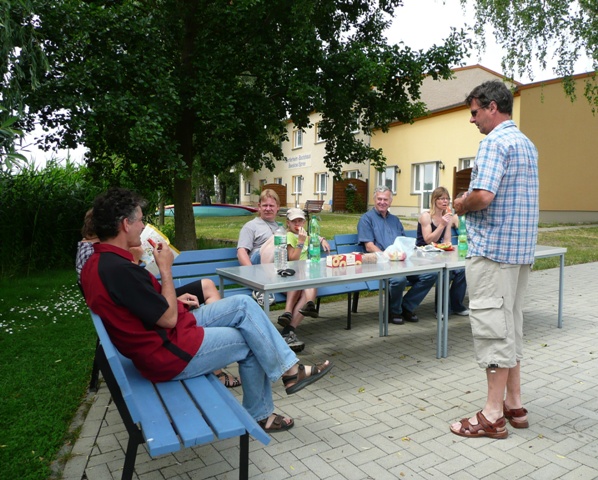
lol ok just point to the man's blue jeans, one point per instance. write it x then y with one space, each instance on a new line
237 330
420 286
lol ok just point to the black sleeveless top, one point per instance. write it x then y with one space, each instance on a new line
420 242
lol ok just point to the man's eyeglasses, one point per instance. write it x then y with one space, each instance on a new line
143 219
475 112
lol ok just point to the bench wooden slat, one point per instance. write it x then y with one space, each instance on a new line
313 206
356 248
249 423
188 422
202 268
114 356
160 437
206 256
214 409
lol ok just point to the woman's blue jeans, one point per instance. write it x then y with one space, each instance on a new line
237 330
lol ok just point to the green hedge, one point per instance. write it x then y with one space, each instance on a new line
41 214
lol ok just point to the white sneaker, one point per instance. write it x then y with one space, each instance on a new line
464 313
259 298
293 342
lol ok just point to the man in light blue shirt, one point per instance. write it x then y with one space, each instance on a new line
377 230
502 227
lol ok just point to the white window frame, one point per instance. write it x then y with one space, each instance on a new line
247 187
466 162
425 180
389 178
263 182
318 138
352 174
321 180
297 138
298 185
278 180
357 119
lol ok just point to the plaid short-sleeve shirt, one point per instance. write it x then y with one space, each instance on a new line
506 165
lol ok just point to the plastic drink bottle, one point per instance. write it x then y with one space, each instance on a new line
280 248
314 240
462 239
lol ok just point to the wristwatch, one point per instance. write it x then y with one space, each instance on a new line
300 245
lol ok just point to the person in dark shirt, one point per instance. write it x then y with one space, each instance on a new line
163 338
435 226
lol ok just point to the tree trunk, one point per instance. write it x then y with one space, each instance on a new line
222 193
184 221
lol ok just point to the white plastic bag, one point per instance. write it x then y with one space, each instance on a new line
401 249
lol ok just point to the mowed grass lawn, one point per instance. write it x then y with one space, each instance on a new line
581 242
47 345
227 228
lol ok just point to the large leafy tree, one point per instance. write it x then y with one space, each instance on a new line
21 63
534 32
158 87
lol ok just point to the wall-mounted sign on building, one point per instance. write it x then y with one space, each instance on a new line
299 161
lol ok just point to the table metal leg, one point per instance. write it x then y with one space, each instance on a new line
266 303
439 312
382 307
446 274
561 272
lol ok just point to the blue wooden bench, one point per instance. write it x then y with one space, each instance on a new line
170 416
350 289
192 265
348 243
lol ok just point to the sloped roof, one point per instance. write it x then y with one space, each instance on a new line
444 94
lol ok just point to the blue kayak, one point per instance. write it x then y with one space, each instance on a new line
215 210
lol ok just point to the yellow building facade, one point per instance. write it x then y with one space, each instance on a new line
565 133
425 154
304 172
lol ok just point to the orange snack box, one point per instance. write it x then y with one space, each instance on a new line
344 260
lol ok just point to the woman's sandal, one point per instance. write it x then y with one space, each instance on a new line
302 379
277 425
513 414
484 428
228 383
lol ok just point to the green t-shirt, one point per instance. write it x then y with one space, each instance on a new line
293 241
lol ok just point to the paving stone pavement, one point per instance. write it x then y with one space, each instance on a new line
384 411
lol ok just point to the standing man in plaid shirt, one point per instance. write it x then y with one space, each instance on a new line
502 227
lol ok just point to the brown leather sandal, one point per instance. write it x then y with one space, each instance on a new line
302 379
230 381
513 414
484 428
277 425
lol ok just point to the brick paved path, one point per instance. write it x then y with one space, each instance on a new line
384 412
